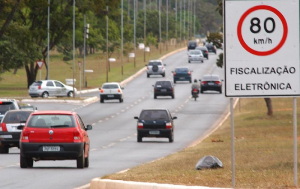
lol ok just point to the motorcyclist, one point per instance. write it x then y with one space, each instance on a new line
196 86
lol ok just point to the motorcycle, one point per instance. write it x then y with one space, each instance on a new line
195 93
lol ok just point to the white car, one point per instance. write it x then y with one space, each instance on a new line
46 88
195 55
156 67
111 91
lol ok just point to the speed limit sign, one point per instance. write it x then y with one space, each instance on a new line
261 48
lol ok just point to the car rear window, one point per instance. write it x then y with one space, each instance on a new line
37 83
16 117
154 63
5 106
211 78
151 115
51 121
163 84
181 70
110 86
192 43
195 52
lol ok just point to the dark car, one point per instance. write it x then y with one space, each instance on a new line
182 74
204 51
157 123
164 88
211 83
54 135
211 48
192 45
9 131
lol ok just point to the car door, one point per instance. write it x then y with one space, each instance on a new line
50 88
85 135
59 89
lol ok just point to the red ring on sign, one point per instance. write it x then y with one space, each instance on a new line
284 36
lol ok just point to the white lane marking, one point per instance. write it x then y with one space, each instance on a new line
118 113
93 124
106 118
143 97
176 110
127 107
122 110
140 100
135 102
99 121
112 116
129 136
134 134
123 139
94 149
131 105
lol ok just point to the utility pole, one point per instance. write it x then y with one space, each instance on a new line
85 36
48 40
144 30
73 47
122 37
184 20
167 24
107 67
188 20
159 25
180 22
176 21
134 30
194 18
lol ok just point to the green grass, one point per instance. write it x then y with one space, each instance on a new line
263 148
15 85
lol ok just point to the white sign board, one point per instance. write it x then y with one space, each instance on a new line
141 46
261 48
131 55
39 64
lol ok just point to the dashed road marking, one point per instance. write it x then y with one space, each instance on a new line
99 121
94 149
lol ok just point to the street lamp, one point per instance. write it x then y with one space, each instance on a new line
167 24
85 36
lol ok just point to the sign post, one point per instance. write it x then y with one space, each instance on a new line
40 63
261 54
79 63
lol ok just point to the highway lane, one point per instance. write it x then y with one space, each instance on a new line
113 138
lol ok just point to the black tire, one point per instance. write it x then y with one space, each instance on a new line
45 94
80 161
101 100
201 91
220 91
190 81
148 75
120 99
87 161
174 81
189 61
171 137
154 68
4 150
139 138
202 61
173 96
23 162
29 162
155 97
164 75
70 94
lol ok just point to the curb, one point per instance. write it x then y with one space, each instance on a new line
88 100
98 183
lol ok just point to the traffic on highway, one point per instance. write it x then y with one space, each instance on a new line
140 121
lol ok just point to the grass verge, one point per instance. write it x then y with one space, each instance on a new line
263 148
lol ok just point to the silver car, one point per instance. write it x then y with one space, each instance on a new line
156 67
46 88
195 55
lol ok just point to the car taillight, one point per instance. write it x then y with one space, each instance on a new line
174 73
25 135
189 73
140 125
101 90
3 127
190 56
0 102
204 82
169 125
76 135
40 87
217 82
206 52
195 90
119 90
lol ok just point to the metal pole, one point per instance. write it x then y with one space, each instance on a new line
295 141
159 25
144 30
134 31
40 74
84 47
180 21
122 37
73 47
176 21
188 20
167 23
184 20
48 38
194 18
80 79
128 10
232 143
107 63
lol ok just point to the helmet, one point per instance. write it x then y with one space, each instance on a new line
195 80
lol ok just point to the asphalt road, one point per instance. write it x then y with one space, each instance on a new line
114 145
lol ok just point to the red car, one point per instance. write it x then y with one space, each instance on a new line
54 135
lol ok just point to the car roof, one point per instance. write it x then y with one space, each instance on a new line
111 83
45 112
155 109
201 47
182 67
155 60
211 76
